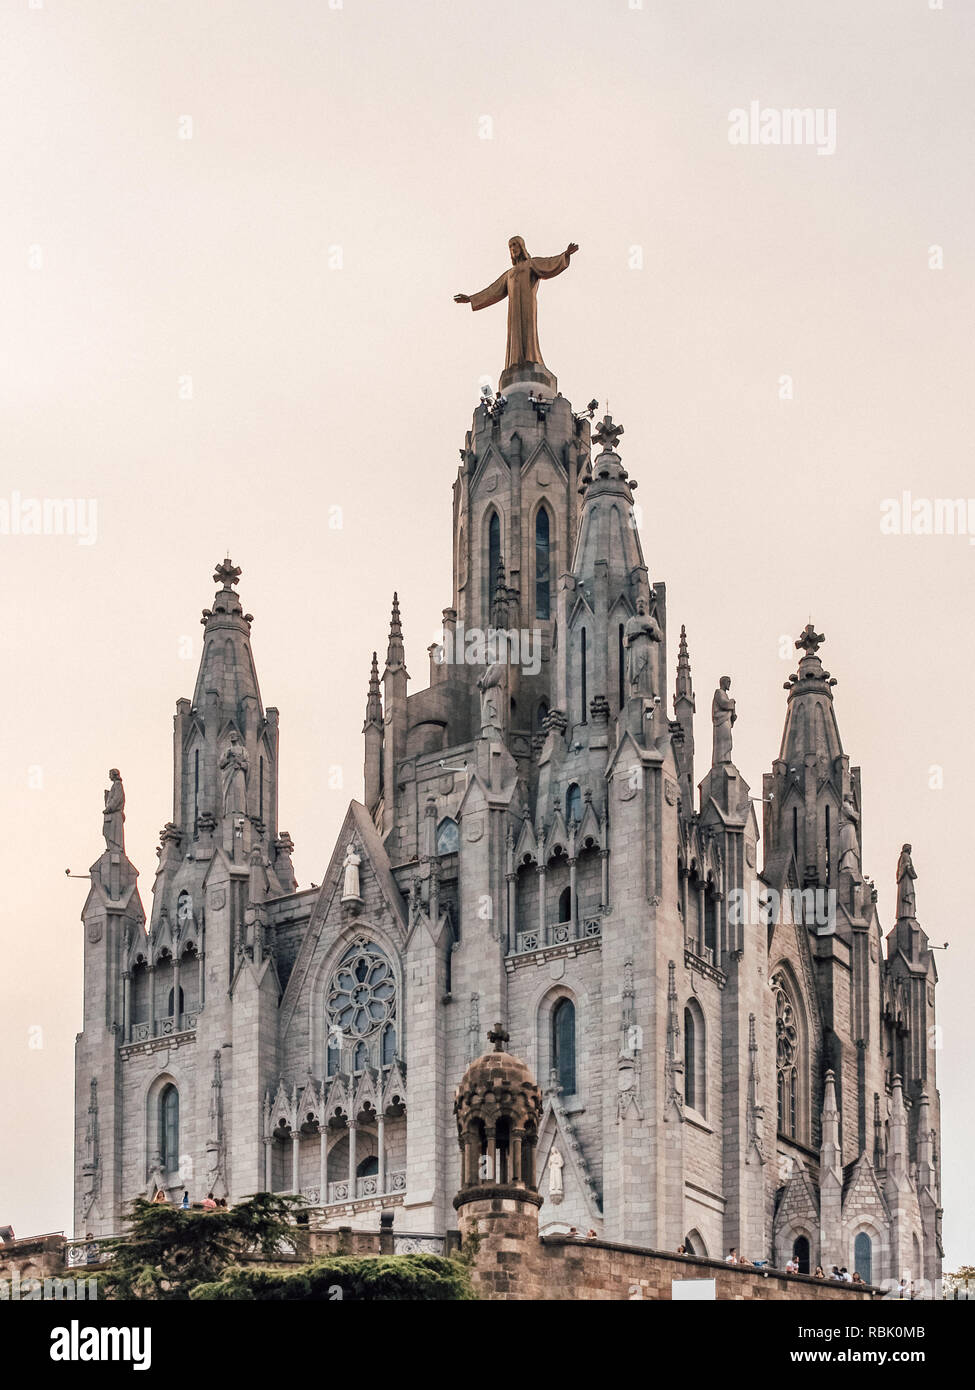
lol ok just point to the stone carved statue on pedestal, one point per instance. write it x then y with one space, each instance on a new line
849 848
113 815
492 687
234 765
640 631
906 901
556 1163
350 886
723 717
519 286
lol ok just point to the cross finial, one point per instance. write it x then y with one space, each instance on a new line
607 434
498 1036
227 573
810 640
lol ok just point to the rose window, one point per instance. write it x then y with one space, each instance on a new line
363 993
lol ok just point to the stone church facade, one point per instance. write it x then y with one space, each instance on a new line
730 1053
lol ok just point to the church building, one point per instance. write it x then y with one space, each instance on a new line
732 1051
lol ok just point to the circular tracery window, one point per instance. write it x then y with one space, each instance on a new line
363 993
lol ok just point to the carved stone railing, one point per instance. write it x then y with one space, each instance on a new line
418 1245
163 1027
87 1252
340 1192
558 934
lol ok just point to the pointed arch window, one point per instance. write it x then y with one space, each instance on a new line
448 839
389 1045
543 576
690 1096
169 1128
787 1061
829 861
564 1045
695 1075
711 920
800 1253
863 1257
565 905
621 665
540 716
573 804
582 677
361 1060
494 555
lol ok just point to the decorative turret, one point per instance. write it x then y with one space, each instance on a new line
811 781
372 730
613 620
684 709
498 1108
830 1177
395 681
913 975
226 746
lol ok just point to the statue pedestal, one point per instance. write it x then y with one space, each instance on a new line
528 376
637 719
493 763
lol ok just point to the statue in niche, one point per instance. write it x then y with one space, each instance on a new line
492 687
556 1163
723 717
113 815
519 286
351 862
906 901
849 849
234 765
640 631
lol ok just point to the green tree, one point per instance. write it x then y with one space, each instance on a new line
168 1251
962 1279
335 1278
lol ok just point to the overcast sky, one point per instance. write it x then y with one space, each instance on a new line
231 237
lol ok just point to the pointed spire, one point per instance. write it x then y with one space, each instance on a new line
879 1157
897 1154
830 1153
684 689
925 1143
227 667
395 652
374 705
756 1111
499 602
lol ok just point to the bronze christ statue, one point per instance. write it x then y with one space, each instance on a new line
520 284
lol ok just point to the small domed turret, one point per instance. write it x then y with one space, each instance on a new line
498 1108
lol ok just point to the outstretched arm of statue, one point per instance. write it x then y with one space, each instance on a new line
547 266
492 295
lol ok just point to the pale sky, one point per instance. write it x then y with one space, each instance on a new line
221 339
